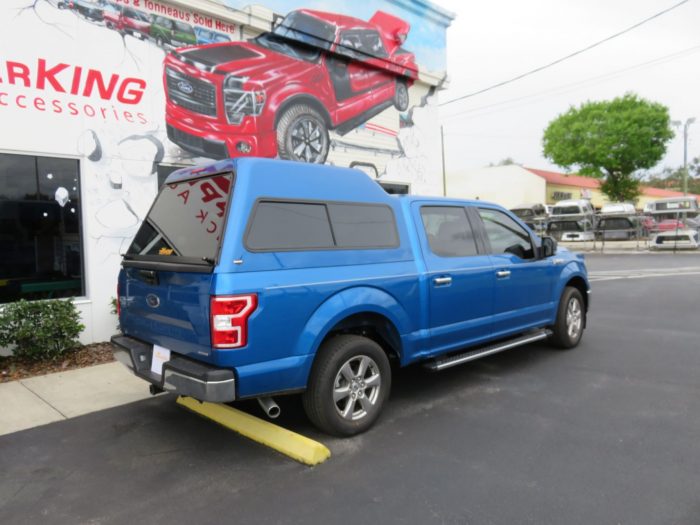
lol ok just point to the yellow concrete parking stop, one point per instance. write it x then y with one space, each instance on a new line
296 446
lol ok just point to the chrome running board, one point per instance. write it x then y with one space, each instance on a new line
465 357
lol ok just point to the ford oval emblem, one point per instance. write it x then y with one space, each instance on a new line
153 300
185 87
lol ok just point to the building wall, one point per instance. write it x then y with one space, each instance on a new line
508 186
558 192
72 87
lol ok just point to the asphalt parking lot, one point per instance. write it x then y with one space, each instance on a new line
606 433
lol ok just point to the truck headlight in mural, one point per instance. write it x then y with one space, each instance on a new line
280 93
239 102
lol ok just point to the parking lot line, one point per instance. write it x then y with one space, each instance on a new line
296 446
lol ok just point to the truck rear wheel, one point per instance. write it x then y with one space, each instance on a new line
302 135
571 319
349 384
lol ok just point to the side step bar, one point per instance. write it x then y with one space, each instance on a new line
471 355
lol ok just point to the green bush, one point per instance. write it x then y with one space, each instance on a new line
40 329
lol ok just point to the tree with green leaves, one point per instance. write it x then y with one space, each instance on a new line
610 140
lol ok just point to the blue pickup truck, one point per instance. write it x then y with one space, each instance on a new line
254 278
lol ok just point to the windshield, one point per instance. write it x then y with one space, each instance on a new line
290 48
186 220
565 226
566 210
306 29
616 224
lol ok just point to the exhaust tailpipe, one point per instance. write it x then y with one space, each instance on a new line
271 408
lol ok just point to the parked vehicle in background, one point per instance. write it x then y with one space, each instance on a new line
280 93
128 21
670 225
571 229
207 36
172 33
66 4
534 215
676 240
92 9
255 277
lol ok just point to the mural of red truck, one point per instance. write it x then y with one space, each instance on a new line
280 93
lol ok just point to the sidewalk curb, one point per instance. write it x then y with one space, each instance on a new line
40 400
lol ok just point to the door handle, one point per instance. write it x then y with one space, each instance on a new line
442 281
502 274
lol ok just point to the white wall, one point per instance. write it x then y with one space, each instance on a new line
117 153
508 186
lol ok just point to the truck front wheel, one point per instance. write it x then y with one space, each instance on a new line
349 384
571 319
302 135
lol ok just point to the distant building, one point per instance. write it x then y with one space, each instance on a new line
514 185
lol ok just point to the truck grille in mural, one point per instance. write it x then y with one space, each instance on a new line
191 93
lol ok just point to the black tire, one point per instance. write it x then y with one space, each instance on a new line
302 135
329 380
565 335
401 96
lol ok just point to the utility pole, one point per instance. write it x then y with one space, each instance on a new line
444 177
687 124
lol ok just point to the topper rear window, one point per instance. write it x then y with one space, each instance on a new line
186 221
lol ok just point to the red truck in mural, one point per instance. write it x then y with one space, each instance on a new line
127 20
280 93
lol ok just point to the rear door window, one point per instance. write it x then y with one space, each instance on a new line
448 230
186 220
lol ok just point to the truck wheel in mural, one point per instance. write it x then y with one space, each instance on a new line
302 135
401 96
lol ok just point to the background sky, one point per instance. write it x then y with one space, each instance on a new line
491 41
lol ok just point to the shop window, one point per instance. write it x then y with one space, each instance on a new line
40 228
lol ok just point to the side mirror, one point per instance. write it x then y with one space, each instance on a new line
549 247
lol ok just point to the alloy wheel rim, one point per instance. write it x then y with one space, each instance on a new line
356 387
574 318
308 140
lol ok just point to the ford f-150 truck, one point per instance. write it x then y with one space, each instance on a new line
253 278
280 93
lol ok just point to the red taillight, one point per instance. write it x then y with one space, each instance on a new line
229 319
119 301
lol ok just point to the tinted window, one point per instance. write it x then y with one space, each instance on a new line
361 44
185 28
40 230
506 235
306 29
289 226
448 230
566 210
186 219
356 225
